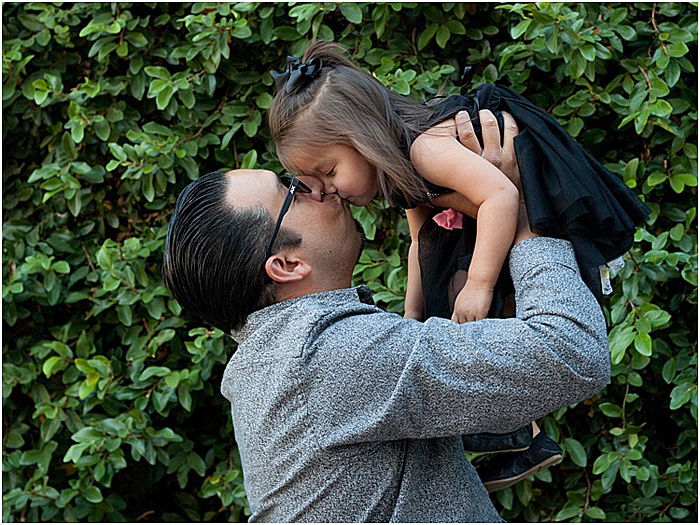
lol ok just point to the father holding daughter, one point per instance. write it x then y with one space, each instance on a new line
344 412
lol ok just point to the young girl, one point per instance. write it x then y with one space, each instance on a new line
331 120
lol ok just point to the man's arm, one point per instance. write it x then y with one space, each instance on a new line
381 377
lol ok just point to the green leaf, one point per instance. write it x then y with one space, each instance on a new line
505 498
642 343
263 100
102 130
163 98
588 52
672 73
568 512
77 133
617 16
520 28
117 151
151 371
287 33
677 49
575 126
610 409
187 97
351 11
92 494
250 160
426 35
576 452
442 36
137 40
620 339
173 379
50 365
626 32
124 315
661 108
157 72
681 394
595 513
61 267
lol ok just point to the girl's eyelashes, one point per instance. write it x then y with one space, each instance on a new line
330 173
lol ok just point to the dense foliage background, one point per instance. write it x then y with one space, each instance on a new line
111 409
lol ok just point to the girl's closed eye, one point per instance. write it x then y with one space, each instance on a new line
330 173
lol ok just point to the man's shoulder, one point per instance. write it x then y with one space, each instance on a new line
285 327
311 327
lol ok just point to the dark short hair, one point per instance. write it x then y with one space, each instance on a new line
215 254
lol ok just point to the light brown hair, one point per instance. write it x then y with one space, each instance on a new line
345 105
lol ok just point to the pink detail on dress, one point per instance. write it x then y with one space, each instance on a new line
449 219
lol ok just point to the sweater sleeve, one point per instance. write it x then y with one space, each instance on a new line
389 378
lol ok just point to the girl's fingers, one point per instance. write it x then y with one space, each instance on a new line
465 132
491 137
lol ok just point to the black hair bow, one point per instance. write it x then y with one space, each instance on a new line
298 74
467 76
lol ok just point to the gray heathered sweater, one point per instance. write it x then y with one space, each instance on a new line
346 413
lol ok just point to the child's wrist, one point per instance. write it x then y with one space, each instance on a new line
413 314
483 285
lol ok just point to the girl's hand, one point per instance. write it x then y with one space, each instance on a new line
472 303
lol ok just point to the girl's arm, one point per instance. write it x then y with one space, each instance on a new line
441 159
414 306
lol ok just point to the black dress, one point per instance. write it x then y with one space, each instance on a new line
568 194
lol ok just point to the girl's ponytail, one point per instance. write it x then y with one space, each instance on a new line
330 53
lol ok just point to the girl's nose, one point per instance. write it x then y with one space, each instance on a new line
328 188
315 185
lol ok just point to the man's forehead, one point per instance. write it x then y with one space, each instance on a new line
250 187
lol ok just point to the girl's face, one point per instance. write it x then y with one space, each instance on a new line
341 169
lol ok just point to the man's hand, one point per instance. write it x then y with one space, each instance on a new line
502 157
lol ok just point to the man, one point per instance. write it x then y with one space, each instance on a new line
344 412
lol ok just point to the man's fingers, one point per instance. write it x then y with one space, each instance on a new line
491 137
510 129
509 162
465 132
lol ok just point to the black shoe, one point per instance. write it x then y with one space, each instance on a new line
487 443
505 470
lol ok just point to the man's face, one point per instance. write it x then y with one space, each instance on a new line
330 239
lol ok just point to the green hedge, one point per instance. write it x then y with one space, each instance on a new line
111 397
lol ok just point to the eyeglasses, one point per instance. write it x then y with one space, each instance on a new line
293 185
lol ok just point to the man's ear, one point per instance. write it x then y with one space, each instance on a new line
286 268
